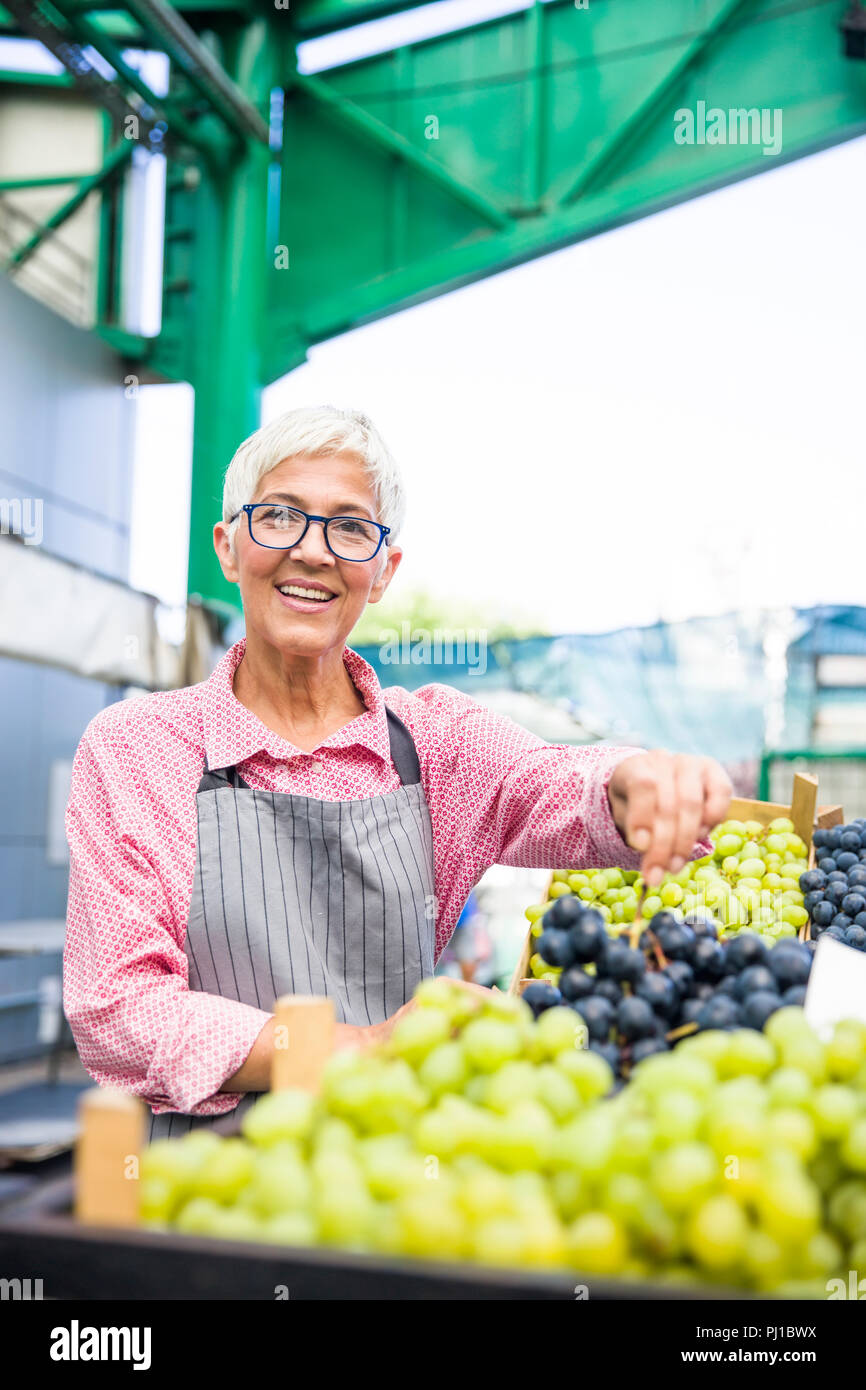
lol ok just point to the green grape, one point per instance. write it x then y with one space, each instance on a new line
776 844
677 1116
781 825
444 1069
750 868
417 1033
652 905
853 1148
576 881
289 1228
489 1042
560 890
788 1207
834 1109
175 1162
846 1209
788 1087
787 1025
584 1143
345 1214
710 1048
686 1071
158 1198
557 1091
625 1199
235 1223
513 1082
805 1053
748 1053
532 915
508 1007
390 1164
485 1193
431 1223
797 916
826 1170
569 1193
633 1145
522 1138
280 1115
560 875
499 1240
334 1134
597 1244
794 1130
821 1255
764 1260
658 1231
736 1130
671 895
846 1050
226 1171
683 1175
278 1183
475 1089
556 1030
717 1232
857 1255
728 844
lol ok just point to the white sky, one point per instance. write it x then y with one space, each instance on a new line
663 421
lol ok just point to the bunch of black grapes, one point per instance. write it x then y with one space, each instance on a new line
835 891
630 1008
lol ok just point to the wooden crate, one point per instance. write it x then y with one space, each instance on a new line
804 811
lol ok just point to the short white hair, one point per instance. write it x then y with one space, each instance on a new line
320 431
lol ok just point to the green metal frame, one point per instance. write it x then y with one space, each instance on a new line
809 755
554 124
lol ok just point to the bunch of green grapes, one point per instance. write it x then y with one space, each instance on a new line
479 1134
750 880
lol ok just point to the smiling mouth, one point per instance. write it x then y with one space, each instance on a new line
300 591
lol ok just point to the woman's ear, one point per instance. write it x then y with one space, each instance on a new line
395 555
225 555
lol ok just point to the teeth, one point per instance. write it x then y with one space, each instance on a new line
298 592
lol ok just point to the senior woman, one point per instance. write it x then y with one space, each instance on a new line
286 826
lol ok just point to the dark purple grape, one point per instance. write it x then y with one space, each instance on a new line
837 876
598 1015
705 989
756 977
789 964
828 865
823 914
846 860
796 995
589 936
813 880
620 962
746 948
856 936
574 983
608 989
610 1053
727 985
690 1010
820 837
564 913
541 995
811 901
556 947
843 921
675 938
648 1047
854 903
850 840
719 1012
757 1008
707 958
660 993
860 919
836 891
681 975
635 1019
702 924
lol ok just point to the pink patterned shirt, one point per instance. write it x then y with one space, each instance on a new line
497 794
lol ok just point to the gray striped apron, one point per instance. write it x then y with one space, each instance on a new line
293 895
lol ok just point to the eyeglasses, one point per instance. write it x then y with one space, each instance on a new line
278 527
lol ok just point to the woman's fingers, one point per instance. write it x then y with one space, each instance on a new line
670 802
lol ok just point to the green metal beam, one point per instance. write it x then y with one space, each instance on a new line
116 159
313 17
46 181
636 124
354 118
49 80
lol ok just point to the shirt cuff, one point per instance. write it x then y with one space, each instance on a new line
219 1037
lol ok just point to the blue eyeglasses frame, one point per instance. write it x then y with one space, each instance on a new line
250 507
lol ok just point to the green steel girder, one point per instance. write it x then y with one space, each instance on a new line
115 160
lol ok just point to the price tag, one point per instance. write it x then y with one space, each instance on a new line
837 986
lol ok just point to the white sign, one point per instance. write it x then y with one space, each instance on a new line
837 986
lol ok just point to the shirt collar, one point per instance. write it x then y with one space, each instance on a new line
232 732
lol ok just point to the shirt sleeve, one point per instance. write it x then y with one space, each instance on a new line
502 795
135 1022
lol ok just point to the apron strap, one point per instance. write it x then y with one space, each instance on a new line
404 756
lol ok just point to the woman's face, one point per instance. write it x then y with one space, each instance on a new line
333 486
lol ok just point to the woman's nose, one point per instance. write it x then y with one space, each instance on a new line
313 548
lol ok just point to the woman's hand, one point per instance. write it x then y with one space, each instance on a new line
662 803
360 1039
